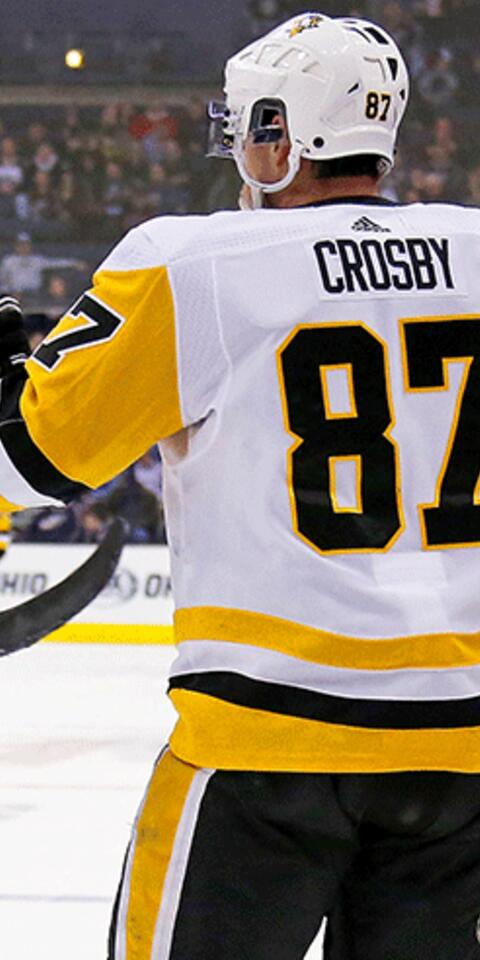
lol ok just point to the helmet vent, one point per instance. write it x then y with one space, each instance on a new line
267 53
360 33
393 64
316 70
367 31
380 66
377 35
292 58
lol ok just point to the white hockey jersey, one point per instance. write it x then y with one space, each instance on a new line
313 376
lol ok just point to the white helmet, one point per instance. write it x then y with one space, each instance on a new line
341 84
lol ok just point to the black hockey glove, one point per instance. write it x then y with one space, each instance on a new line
14 348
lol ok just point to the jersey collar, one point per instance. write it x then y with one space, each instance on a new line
368 200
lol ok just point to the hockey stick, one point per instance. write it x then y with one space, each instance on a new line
27 623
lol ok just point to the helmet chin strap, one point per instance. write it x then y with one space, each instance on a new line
259 188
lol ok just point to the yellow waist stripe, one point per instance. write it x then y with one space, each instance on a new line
435 650
214 733
155 837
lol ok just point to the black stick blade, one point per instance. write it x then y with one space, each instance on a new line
24 625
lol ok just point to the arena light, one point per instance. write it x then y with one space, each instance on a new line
75 59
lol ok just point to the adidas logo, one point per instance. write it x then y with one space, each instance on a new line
366 224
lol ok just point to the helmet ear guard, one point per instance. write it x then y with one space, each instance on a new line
225 140
262 128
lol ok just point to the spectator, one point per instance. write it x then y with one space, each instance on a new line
65 193
110 118
10 209
443 149
51 525
157 118
177 171
21 272
139 507
433 8
45 158
72 122
156 198
36 134
57 296
10 168
472 197
46 215
138 166
94 521
37 326
73 146
84 202
438 83
434 187
115 198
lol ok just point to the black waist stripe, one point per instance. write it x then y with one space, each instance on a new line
309 705
34 467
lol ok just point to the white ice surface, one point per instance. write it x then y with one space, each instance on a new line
80 727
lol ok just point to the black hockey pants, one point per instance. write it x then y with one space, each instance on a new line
244 866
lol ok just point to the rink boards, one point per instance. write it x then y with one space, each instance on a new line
135 607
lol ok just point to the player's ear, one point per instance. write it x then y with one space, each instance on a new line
281 148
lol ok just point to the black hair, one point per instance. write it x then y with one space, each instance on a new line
361 165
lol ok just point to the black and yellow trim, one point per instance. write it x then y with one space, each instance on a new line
232 722
217 734
349 711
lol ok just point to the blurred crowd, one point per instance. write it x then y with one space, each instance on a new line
135 495
81 173
76 176
86 175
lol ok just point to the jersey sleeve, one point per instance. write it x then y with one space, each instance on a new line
106 384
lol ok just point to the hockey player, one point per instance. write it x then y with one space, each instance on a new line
312 370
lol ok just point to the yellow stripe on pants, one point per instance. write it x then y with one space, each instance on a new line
154 841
